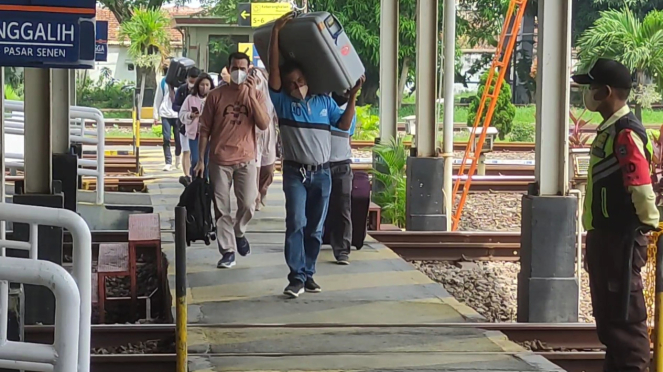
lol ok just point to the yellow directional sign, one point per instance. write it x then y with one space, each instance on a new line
246 48
244 14
262 13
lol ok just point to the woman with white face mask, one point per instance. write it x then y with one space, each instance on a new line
190 116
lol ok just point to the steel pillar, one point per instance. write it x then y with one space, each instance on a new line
38 131
449 102
547 285
426 77
388 69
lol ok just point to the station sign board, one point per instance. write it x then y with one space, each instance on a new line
101 39
257 14
47 33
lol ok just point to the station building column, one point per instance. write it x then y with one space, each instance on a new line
38 187
389 25
65 160
547 286
425 206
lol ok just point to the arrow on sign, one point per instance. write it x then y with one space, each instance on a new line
245 15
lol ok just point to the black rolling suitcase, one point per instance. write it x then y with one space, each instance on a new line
361 199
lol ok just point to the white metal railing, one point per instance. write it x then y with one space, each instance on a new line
14 125
62 356
71 306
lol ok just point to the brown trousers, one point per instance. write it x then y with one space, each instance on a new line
626 341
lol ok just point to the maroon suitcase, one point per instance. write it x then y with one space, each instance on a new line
361 200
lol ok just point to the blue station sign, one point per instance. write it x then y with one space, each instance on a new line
101 48
47 33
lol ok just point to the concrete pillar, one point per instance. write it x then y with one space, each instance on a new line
72 87
61 97
547 286
37 131
425 209
388 69
65 163
449 102
426 136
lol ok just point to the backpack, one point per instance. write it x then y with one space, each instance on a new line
197 199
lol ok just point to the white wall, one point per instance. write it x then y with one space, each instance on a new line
119 62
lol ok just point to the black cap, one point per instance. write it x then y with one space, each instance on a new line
606 72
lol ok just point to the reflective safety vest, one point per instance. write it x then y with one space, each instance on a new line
608 203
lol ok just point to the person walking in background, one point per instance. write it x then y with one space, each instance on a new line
163 110
305 123
266 143
190 117
339 217
180 95
228 123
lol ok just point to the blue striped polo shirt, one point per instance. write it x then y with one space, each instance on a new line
340 142
305 126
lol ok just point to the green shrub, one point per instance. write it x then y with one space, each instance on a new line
523 132
368 125
12 94
504 113
157 131
393 155
105 93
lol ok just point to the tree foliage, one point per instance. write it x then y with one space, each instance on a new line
148 31
504 113
621 35
122 8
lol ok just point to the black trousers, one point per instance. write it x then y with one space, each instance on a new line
626 341
339 215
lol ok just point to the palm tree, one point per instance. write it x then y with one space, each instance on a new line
147 29
620 35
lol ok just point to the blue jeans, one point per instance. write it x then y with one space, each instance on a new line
168 127
306 202
195 156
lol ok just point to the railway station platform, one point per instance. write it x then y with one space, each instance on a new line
377 314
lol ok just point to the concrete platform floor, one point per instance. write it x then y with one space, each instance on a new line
240 321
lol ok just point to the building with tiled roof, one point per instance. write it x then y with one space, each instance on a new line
119 61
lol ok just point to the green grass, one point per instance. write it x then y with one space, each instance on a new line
527 114
126 133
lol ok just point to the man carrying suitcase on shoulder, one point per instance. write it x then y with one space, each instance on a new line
305 122
619 209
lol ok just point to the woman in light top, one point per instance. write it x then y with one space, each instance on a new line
265 141
190 116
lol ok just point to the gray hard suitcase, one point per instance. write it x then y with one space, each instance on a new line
318 43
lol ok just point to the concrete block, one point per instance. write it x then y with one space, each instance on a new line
424 201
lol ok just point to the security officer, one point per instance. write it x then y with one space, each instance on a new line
619 209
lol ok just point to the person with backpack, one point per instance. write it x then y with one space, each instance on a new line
190 117
228 123
180 95
163 110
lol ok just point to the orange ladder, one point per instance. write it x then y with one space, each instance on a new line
500 63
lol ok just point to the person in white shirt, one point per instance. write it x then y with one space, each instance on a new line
163 110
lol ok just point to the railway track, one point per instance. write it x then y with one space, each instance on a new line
356 144
451 246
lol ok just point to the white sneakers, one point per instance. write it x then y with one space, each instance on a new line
167 168
178 161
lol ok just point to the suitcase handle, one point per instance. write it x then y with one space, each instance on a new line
338 32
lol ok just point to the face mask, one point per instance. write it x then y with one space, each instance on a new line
238 76
300 93
590 103
203 91
190 85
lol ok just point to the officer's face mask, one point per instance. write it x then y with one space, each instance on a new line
591 103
